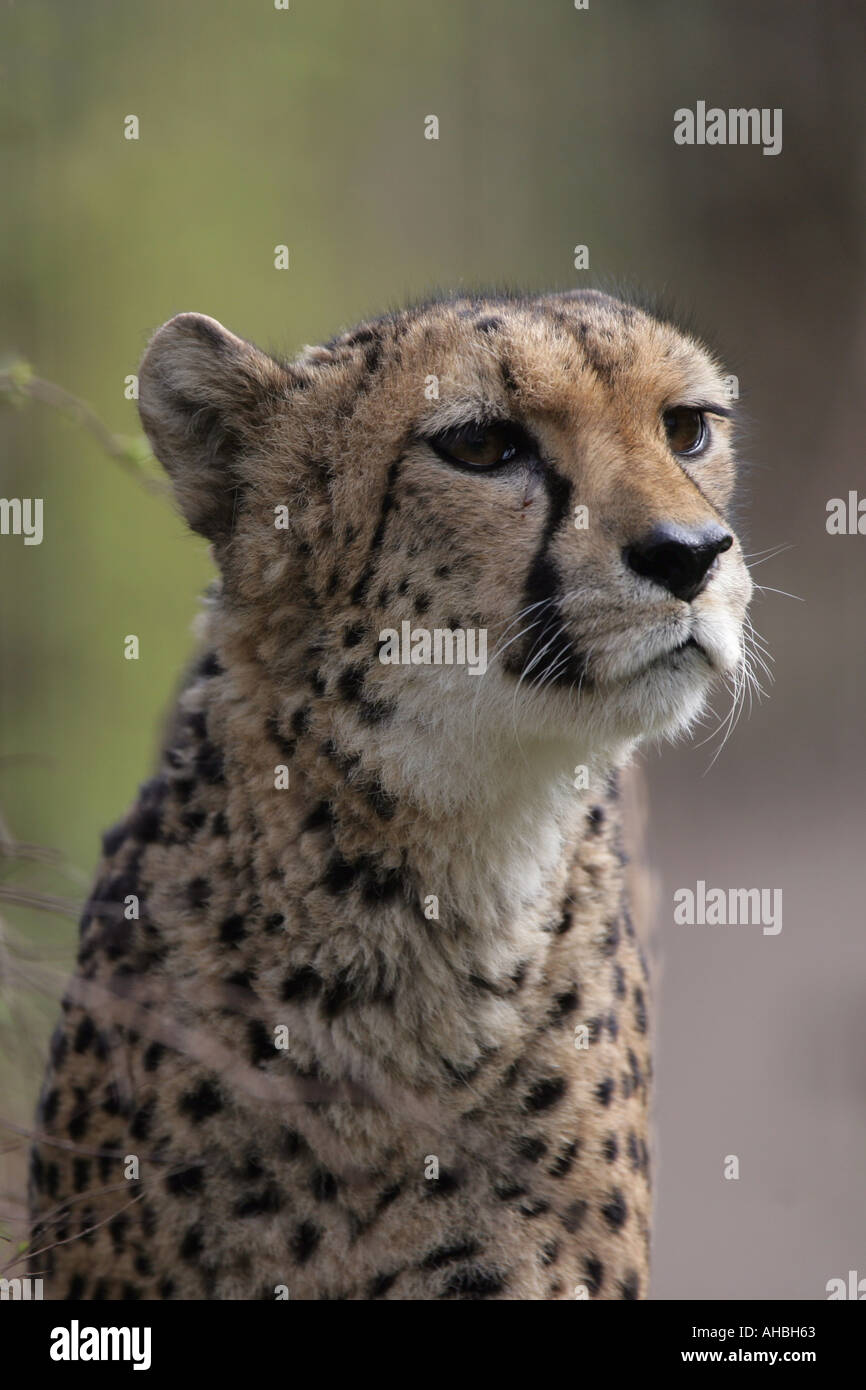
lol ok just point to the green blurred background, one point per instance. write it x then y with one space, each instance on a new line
306 127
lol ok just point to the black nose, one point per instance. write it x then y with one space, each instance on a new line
678 557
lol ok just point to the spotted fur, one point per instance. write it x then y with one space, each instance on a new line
460 1111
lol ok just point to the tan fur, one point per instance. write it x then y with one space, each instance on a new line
416 1046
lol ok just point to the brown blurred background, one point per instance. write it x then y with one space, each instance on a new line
306 127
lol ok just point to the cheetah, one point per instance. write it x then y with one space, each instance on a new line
359 1010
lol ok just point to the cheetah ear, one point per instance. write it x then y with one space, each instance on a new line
203 397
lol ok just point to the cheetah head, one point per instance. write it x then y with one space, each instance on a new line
554 473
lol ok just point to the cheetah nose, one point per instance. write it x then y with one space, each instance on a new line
679 558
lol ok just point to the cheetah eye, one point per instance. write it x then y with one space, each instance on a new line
481 446
686 429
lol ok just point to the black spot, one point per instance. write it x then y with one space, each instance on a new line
305 1241
383 886
382 802
186 1182
239 979
388 1195
50 1106
153 1056
353 634
145 820
130 1293
301 720
112 839
209 764
536 1207
382 1283
531 1148
320 816
339 992
549 1252
351 681
604 1091
264 1203
118 1227
640 1016
629 1287
323 1185
210 665
564 1160
143 1266
261 1042
443 1186
340 874
292 1143
192 1244
141 1121
81 1174
80 1117
372 712
596 819
304 983
447 1254
615 1211
197 722
193 820
566 921
112 1104
166 1288
37 1171
573 1216
473 1283
59 1048
77 1285
593 1271
219 828
611 938
542 1094
610 1148
274 923
564 1004
507 1192
286 746
201 1103
198 893
619 981
232 930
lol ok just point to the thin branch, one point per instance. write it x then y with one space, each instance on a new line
19 383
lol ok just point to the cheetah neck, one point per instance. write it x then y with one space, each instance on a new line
453 889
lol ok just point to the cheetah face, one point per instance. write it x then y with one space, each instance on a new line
554 473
